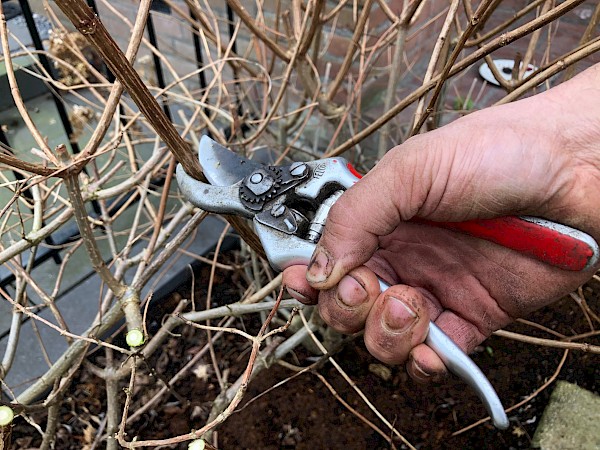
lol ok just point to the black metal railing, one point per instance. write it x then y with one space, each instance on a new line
70 233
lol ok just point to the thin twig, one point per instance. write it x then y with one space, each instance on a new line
584 347
407 15
486 49
358 31
434 62
16 94
237 398
346 405
51 425
80 214
585 38
473 24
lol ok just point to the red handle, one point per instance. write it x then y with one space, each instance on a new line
558 245
555 244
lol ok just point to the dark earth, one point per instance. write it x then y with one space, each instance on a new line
303 413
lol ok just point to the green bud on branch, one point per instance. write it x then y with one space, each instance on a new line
6 415
135 337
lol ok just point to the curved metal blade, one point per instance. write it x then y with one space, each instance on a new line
217 199
221 166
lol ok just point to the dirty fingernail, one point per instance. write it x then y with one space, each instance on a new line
319 267
398 316
351 292
417 372
419 369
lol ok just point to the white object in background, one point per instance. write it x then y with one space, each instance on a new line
505 67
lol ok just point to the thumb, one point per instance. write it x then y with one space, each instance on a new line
366 211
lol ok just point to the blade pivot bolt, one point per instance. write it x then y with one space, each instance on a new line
256 178
261 182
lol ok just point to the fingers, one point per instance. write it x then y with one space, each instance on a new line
346 307
398 322
294 280
397 327
353 227
425 366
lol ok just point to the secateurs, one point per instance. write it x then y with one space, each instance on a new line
289 205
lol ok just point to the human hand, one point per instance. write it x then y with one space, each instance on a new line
538 156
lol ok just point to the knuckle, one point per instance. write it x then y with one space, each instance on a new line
385 349
383 354
340 322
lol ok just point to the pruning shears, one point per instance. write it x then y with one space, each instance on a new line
289 205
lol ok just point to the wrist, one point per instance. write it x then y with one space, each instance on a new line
576 105
578 131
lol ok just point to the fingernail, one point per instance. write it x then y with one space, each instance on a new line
417 373
398 316
319 267
351 292
297 295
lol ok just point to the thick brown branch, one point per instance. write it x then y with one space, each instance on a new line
17 163
94 31
92 28
308 38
